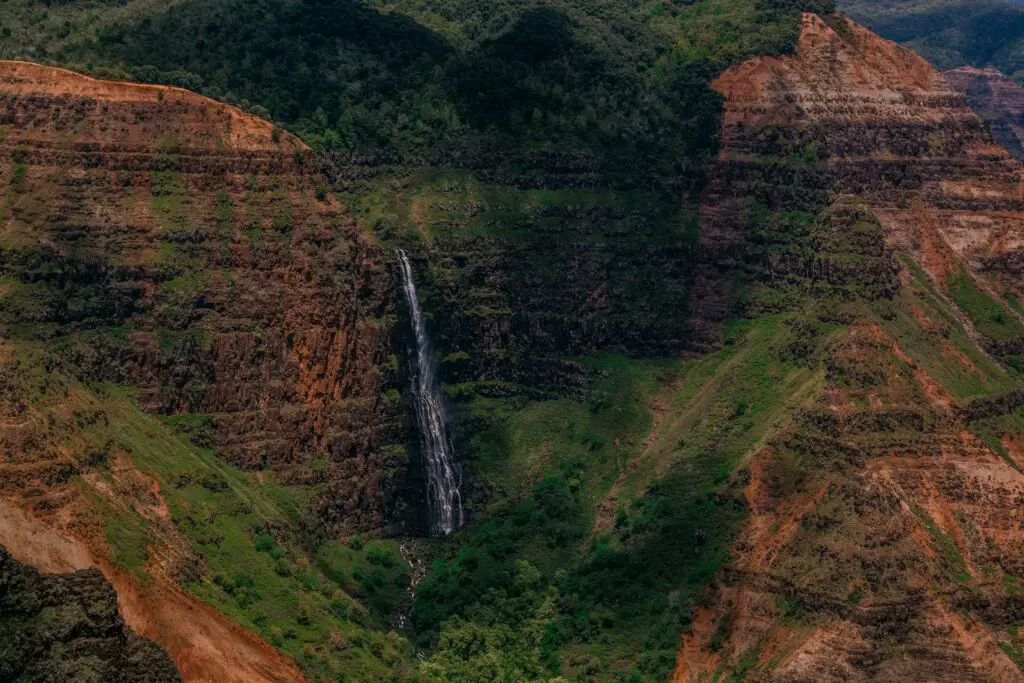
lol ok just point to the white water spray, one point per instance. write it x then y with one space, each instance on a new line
442 474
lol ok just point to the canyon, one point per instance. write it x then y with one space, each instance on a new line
313 415
997 99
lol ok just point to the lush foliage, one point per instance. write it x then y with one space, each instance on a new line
628 81
989 315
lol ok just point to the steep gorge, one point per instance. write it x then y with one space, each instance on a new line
781 416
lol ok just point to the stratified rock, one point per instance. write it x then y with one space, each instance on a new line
996 98
892 131
876 515
238 288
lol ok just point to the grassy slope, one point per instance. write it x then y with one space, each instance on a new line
625 593
244 526
924 322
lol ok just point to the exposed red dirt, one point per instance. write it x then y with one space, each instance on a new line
129 114
206 646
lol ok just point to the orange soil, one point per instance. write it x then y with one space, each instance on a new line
194 120
206 646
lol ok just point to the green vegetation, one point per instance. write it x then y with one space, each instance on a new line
989 316
946 546
1014 301
922 322
1015 652
244 527
128 541
950 33
224 213
627 81
373 571
517 579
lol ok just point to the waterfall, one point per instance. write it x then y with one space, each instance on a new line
442 474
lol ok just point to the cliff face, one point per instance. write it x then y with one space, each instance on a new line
998 99
526 259
883 531
194 358
878 123
179 245
894 133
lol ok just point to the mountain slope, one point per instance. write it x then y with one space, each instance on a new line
174 283
997 99
753 383
880 541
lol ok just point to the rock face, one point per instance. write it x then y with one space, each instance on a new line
236 290
881 124
894 133
178 293
996 98
526 258
66 627
884 520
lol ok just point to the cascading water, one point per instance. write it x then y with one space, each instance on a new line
442 474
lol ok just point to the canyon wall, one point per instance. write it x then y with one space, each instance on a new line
883 539
181 246
195 353
996 98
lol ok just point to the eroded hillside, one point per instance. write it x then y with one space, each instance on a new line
998 99
883 538
175 284
768 402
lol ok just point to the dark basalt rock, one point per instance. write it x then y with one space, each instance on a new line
66 627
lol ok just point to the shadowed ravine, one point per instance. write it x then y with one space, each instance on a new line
443 499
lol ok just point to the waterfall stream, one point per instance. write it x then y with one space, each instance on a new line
442 474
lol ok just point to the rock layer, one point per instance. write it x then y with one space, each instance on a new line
176 254
882 527
996 98
895 134
197 230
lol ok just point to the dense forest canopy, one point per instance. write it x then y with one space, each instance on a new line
419 76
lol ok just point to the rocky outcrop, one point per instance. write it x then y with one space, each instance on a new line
881 526
894 133
857 115
67 627
182 246
996 98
